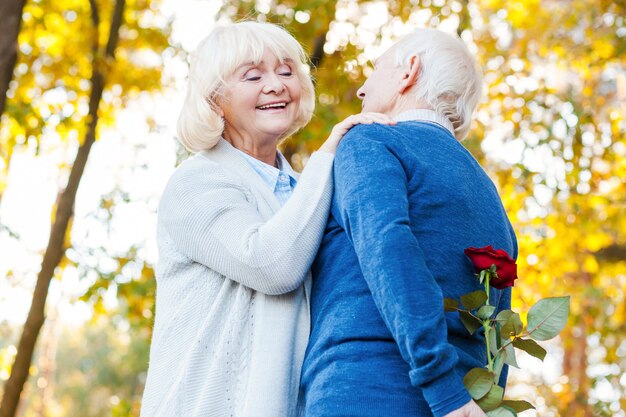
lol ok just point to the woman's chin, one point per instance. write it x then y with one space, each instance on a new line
277 129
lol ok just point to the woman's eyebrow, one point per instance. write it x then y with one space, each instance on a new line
247 64
255 64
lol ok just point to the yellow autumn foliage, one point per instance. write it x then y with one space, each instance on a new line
555 85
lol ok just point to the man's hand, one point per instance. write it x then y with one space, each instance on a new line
471 409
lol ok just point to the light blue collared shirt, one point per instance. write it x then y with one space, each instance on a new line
281 180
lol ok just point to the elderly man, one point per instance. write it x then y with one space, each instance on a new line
408 200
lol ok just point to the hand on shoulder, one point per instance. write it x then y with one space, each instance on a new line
346 124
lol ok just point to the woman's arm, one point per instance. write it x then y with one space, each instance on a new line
210 220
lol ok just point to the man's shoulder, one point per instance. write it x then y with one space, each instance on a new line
411 136
383 133
368 137
372 132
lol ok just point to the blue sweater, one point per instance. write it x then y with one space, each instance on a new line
408 200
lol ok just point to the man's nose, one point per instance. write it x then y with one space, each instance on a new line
273 85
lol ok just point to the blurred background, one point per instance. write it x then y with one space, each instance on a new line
89 95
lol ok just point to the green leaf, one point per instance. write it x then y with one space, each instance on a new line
503 316
478 382
485 312
493 399
510 358
501 412
493 341
547 318
531 347
470 322
474 299
497 329
518 406
512 325
450 305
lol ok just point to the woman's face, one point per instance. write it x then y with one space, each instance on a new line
261 101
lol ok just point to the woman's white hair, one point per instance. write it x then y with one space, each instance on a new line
199 126
450 79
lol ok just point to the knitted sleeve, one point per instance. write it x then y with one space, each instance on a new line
371 203
213 220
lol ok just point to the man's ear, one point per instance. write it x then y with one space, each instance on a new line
411 74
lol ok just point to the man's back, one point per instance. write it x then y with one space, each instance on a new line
408 200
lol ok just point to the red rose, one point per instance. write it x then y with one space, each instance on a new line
506 268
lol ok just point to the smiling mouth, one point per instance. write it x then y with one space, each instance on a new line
272 106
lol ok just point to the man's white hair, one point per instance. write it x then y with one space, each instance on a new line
450 79
199 125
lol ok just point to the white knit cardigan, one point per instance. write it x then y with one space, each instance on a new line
232 313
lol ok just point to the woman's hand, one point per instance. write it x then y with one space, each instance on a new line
342 128
471 409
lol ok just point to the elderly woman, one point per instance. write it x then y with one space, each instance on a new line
236 236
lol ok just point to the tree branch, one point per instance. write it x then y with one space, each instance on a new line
95 16
318 51
612 253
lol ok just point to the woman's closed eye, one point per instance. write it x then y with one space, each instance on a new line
256 74
252 76
285 70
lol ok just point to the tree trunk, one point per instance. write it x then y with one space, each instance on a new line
10 22
575 362
56 243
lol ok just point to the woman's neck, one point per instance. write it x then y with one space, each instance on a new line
263 150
